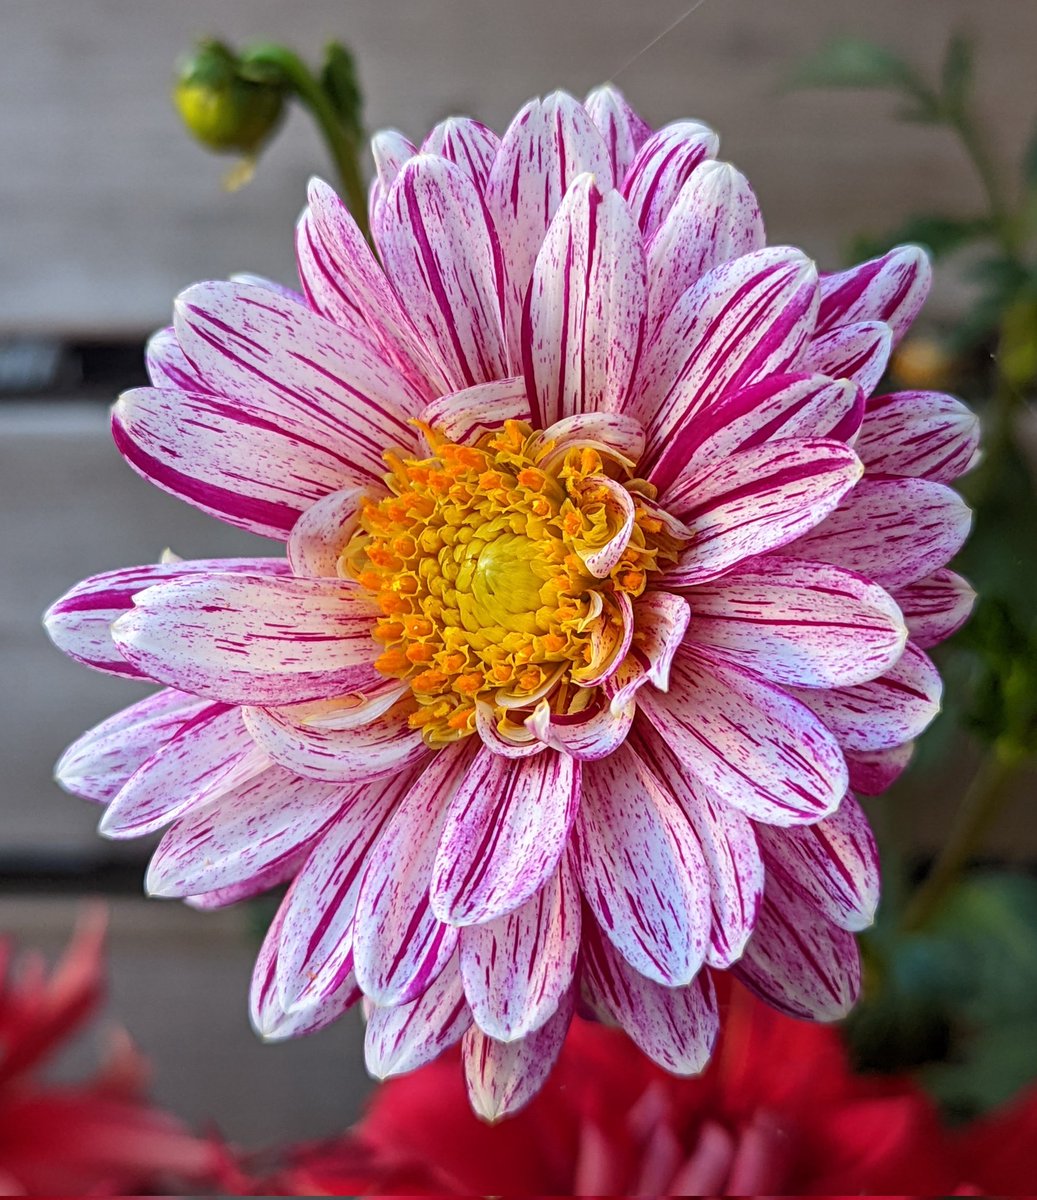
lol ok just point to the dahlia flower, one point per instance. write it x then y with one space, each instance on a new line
607 582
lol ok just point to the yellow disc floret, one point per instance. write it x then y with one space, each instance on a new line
478 559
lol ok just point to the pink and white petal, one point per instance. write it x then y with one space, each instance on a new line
891 288
168 366
714 219
591 733
403 1037
467 143
935 607
660 622
209 755
441 253
661 168
584 318
277 873
278 360
100 761
258 639
502 736
248 829
506 828
801 623
618 505
80 623
616 434
641 870
895 531
676 1027
873 771
741 322
271 285
504 1076
832 865
756 500
856 352
353 710
924 434
465 416
727 840
320 534
883 712
298 739
390 150
316 947
781 406
621 129
548 144
399 945
798 961
517 968
759 748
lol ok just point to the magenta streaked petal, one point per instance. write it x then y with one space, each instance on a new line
872 771
855 352
798 961
756 500
741 322
440 251
517 968
403 1037
502 736
320 534
935 607
584 316
891 288
641 869
617 502
894 531
759 748
883 712
399 945
80 623
714 219
390 150
98 763
253 826
548 144
505 830
832 865
801 623
614 433
675 1026
925 434
660 622
465 416
661 168
621 129
168 366
591 733
467 143
262 639
273 875
505 1076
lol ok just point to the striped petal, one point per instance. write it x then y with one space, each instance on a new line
467 143
404 1037
390 150
505 830
833 865
399 946
621 129
592 732
441 253
855 352
756 500
886 711
755 745
617 434
935 607
505 1076
872 771
641 869
80 623
662 167
714 219
798 961
465 416
251 640
282 871
99 762
727 840
924 434
660 622
317 538
548 144
209 755
891 288
248 829
517 969
895 531
168 366
800 623
584 317
741 322
676 1027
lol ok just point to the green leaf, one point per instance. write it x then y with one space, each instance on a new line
956 76
339 79
853 62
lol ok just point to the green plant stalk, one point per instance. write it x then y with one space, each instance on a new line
976 149
342 146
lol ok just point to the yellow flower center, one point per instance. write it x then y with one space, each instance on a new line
479 561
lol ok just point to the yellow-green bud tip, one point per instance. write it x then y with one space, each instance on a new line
223 108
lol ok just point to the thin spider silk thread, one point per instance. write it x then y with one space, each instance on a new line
657 39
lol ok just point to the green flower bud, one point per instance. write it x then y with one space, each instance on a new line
229 107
